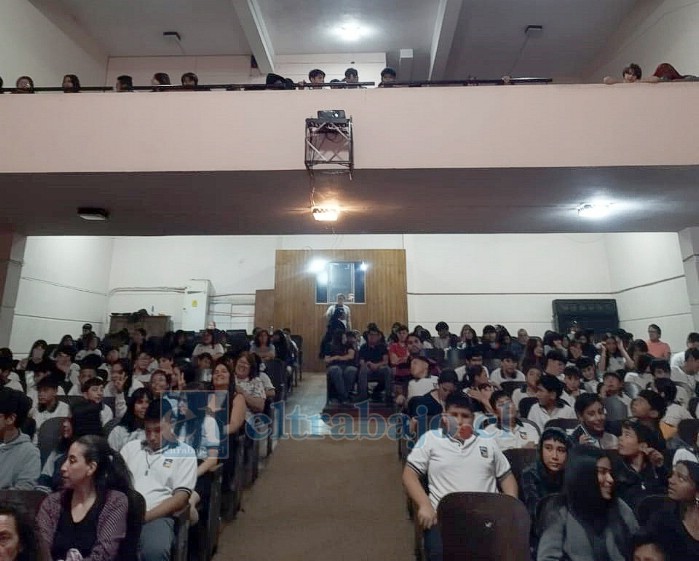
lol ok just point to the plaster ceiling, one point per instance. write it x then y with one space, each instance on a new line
511 200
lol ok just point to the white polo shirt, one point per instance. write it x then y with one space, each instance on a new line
421 386
157 475
539 416
476 465
497 378
521 435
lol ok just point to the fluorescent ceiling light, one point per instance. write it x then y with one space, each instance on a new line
594 210
325 213
93 214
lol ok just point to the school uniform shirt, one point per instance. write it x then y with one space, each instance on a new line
158 474
677 360
106 414
421 386
679 375
570 399
539 416
674 414
497 378
61 410
452 466
120 398
119 436
519 394
506 439
641 380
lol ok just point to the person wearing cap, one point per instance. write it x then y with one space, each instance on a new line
48 405
641 467
20 463
550 405
373 367
509 431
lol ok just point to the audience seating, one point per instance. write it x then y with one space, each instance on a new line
276 370
134 524
525 404
650 504
30 500
299 343
631 389
484 527
617 410
519 459
510 386
568 425
49 436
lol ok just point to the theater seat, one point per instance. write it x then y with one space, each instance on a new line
49 436
568 425
519 459
509 386
484 527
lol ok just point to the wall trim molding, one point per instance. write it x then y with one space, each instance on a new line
92 321
66 286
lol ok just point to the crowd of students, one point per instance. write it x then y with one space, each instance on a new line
602 412
138 419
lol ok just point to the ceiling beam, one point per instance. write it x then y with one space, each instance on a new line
250 17
443 37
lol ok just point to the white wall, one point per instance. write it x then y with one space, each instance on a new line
656 31
64 284
648 281
46 47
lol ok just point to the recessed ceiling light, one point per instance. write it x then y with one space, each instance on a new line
93 214
594 210
325 213
351 31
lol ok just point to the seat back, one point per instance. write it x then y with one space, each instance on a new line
616 409
519 459
687 428
653 503
134 523
568 425
484 527
631 389
276 370
525 404
49 436
30 501
509 386
693 406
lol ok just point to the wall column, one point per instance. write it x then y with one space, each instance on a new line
689 246
11 257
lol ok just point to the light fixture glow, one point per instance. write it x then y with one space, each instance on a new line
93 214
322 278
350 31
594 210
363 266
317 266
325 213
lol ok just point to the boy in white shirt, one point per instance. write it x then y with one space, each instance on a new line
48 406
93 390
509 431
454 459
550 405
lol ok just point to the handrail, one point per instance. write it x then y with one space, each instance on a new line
303 86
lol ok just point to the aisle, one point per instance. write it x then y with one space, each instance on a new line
321 499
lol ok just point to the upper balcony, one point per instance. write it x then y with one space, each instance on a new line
442 159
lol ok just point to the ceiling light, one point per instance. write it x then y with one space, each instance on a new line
93 214
593 210
325 213
351 31
363 266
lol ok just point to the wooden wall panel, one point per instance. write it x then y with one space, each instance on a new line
294 288
264 308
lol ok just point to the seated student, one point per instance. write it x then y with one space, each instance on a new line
124 83
422 381
189 80
613 356
590 522
164 471
684 445
453 459
648 407
590 381
131 426
532 377
18 529
93 391
687 372
373 367
316 77
641 468
399 355
342 373
432 403
612 386
509 431
40 372
121 386
479 389
142 368
90 513
91 348
645 548
572 380
507 372
8 379
677 530
642 376
208 345
660 368
19 458
589 408
550 405
545 477
84 419
48 406
674 412
474 357
86 372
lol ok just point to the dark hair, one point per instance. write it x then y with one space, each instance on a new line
584 362
557 434
157 409
190 76
642 539
584 401
50 381
667 72
572 371
129 421
556 356
14 402
656 328
638 345
471 373
693 337
643 432
458 400
75 81
448 376
126 81
667 389
189 373
634 69
441 325
111 472
497 394
693 353
613 375
655 400
29 79
86 419
254 363
26 529
388 71
1 84
258 337
508 355
581 486
660 364
90 383
162 78
316 72
643 362
351 72
551 384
